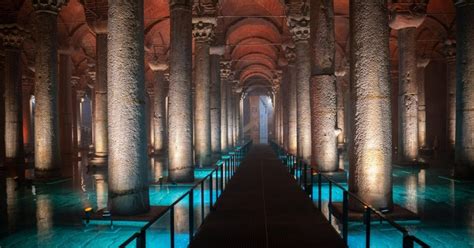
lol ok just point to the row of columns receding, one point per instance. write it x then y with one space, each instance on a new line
306 117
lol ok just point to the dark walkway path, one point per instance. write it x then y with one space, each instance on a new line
262 206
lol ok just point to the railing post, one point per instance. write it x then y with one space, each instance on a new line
330 201
211 204
367 227
345 216
191 214
222 179
312 184
319 190
141 239
407 241
172 227
202 201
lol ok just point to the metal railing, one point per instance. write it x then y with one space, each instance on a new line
224 170
300 170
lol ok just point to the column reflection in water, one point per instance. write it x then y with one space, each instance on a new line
101 189
44 220
3 204
11 200
411 187
159 168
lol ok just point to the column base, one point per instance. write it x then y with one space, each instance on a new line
131 202
421 164
98 160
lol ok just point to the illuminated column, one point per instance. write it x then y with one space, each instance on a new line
421 65
224 74
450 55
406 21
75 114
159 108
464 153
27 92
341 86
237 115
215 105
13 36
65 106
47 157
128 160
79 97
230 113
323 87
202 33
180 121
292 112
2 109
299 26
100 96
370 175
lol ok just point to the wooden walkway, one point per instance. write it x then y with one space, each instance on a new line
263 206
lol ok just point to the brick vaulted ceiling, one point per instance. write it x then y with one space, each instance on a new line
253 32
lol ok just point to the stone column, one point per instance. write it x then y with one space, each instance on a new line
230 114
12 36
2 109
202 33
323 87
464 152
27 91
47 156
65 106
180 121
75 114
420 74
341 89
80 93
292 112
160 140
370 175
237 117
224 73
128 160
450 55
299 26
100 98
406 21
215 105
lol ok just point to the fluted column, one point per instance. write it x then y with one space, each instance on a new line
47 157
180 122
215 105
128 160
370 175
12 36
299 26
202 33
450 56
323 87
292 109
224 74
421 65
464 153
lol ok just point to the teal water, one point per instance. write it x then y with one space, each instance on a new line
445 207
50 215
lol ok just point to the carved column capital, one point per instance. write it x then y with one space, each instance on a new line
158 66
75 81
203 28
225 69
299 27
277 76
422 62
449 50
49 6
13 35
290 54
403 15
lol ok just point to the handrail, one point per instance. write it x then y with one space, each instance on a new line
230 161
408 239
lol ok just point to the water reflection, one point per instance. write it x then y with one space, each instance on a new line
3 204
44 219
158 168
101 189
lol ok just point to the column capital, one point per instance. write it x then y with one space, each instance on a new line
80 93
225 69
422 62
49 6
449 50
158 66
290 54
203 28
13 35
277 76
166 76
403 15
75 81
341 71
299 27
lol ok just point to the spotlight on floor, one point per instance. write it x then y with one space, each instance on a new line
87 214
